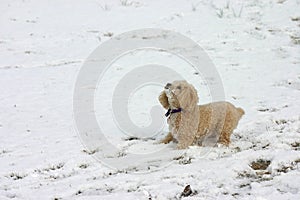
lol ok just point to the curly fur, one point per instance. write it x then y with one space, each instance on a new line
197 124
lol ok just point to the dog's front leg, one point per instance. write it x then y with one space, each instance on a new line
185 140
167 139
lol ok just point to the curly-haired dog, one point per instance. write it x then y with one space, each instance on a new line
190 123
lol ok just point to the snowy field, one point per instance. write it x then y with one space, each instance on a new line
255 46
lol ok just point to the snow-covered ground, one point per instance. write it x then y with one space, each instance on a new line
255 46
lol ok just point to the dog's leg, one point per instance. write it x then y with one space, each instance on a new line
224 139
229 125
225 134
185 140
187 128
167 139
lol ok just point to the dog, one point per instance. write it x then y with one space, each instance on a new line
193 124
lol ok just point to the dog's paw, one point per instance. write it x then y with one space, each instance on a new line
167 139
181 146
164 141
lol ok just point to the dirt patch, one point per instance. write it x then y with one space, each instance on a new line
260 164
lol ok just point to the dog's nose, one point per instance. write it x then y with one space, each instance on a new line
168 85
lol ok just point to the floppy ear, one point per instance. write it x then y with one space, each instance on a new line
188 98
163 99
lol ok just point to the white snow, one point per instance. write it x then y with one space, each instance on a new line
254 45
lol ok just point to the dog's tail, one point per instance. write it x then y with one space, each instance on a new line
240 111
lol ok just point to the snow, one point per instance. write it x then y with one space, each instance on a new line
254 45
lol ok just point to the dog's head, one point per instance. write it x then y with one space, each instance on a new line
179 94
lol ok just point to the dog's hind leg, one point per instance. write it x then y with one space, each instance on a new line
225 134
224 138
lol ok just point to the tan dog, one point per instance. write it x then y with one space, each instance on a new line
190 123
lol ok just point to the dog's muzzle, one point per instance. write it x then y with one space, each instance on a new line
168 86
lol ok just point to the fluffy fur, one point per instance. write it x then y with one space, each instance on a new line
197 124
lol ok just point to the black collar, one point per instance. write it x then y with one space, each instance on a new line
171 111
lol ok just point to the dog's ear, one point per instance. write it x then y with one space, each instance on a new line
163 99
188 98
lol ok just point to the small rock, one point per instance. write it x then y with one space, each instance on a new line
295 18
108 34
187 191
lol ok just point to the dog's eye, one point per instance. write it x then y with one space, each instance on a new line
178 87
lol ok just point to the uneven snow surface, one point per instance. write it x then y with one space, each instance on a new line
255 46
